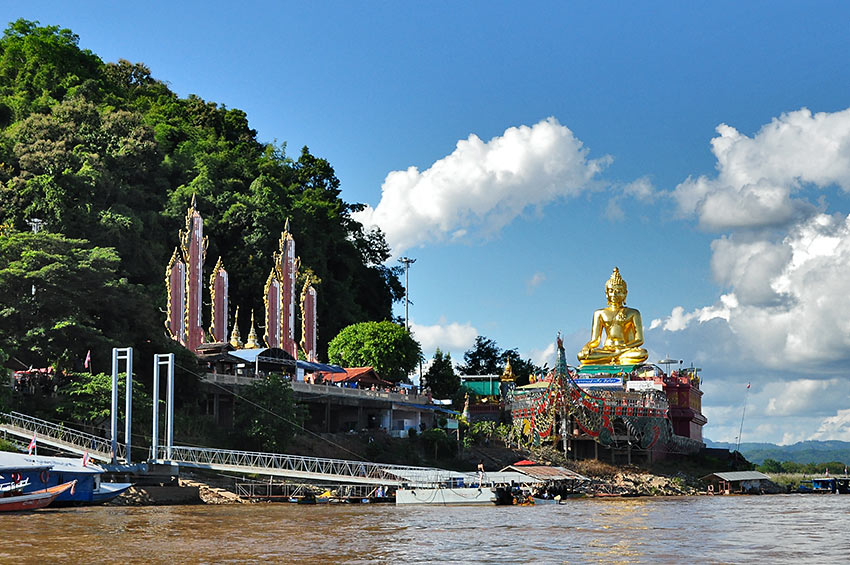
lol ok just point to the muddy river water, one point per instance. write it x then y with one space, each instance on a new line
720 529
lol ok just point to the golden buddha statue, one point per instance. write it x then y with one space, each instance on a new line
623 330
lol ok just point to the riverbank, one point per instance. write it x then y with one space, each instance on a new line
605 479
187 491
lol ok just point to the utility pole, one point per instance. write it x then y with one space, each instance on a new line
406 261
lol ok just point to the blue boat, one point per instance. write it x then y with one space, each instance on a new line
39 472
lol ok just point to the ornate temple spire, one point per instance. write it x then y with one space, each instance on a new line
235 338
252 342
219 284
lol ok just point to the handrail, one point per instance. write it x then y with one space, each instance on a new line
302 466
98 447
322 389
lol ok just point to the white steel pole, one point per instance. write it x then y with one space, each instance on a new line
114 413
169 409
128 406
157 361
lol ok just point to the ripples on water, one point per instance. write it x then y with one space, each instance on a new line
721 529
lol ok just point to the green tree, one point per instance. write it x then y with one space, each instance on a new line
41 65
441 377
386 347
484 358
771 466
60 297
266 416
106 153
87 401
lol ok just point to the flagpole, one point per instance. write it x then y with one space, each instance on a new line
743 411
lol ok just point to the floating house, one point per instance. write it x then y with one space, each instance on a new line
752 482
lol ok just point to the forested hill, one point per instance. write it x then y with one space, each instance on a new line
800 452
108 159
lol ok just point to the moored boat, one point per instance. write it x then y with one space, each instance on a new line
33 500
44 471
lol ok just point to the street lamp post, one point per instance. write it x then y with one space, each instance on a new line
406 261
36 224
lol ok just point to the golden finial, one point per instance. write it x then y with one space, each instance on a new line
615 280
252 342
235 338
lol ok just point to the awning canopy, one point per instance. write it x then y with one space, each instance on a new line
268 355
319 367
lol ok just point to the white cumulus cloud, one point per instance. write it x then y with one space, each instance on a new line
449 337
482 186
758 176
835 427
789 302
785 287
798 397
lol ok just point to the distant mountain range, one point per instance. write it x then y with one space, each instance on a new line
800 452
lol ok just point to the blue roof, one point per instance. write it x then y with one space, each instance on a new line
308 366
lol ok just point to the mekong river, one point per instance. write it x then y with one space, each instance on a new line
719 529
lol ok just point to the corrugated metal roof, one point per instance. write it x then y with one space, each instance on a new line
547 472
738 476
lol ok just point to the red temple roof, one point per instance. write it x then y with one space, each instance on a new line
362 375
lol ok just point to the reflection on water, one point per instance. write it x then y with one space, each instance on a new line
730 529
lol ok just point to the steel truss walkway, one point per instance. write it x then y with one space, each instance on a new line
301 467
312 469
58 436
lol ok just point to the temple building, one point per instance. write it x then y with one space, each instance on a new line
616 403
336 399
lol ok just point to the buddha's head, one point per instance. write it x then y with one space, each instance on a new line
615 288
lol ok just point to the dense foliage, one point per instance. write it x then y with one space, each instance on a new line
108 159
386 347
774 466
485 357
266 416
440 376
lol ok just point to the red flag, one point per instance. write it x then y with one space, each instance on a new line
748 385
88 359
86 459
31 446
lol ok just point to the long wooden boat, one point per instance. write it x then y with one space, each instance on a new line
33 500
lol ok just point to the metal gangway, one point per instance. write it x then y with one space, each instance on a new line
300 467
59 437
290 467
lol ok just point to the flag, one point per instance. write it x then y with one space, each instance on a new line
88 359
31 446
86 459
748 384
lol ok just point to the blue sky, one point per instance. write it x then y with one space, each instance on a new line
519 153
